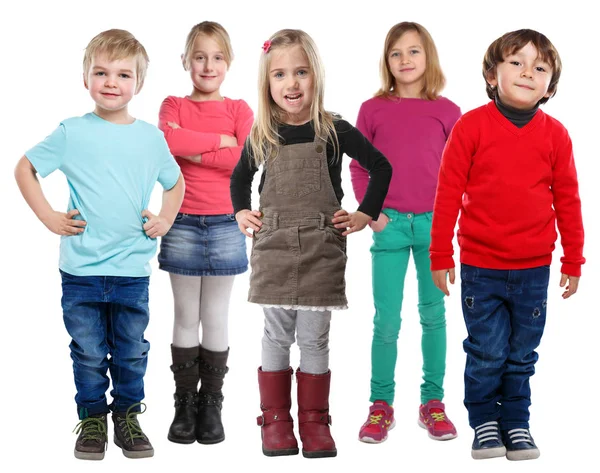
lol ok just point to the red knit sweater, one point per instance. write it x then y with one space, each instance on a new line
512 186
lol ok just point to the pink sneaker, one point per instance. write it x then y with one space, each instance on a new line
433 418
381 419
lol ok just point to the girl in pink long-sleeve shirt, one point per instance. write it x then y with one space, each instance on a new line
409 122
204 249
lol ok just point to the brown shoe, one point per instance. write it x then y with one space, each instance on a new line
129 436
91 443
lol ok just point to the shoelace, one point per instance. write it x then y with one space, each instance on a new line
520 436
129 424
375 419
488 431
438 416
93 429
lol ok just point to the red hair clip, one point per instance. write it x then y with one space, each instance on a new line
266 46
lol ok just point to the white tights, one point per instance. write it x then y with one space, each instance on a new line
201 300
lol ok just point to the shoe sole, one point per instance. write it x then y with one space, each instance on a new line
136 453
372 440
89 455
319 454
485 453
280 453
440 437
517 455
210 442
181 440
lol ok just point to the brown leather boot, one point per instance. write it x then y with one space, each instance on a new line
277 425
313 415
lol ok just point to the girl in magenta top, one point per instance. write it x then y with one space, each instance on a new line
409 122
204 249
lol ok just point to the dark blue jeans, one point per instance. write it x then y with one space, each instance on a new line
505 314
106 315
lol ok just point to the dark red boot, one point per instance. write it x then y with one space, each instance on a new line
313 415
277 426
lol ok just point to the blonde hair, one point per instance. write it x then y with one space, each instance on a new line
433 78
213 30
118 44
264 136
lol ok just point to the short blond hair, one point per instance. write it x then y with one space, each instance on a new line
433 78
213 30
118 44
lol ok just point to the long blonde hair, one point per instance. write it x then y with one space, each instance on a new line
264 136
433 78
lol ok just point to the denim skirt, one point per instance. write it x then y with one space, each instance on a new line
204 245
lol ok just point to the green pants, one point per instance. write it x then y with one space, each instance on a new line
390 253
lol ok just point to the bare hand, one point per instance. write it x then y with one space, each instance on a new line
352 222
156 226
228 141
64 223
248 219
379 224
439 279
571 287
173 125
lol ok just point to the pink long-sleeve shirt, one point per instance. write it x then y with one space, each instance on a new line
411 134
202 124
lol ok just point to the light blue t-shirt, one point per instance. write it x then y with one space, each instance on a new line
111 171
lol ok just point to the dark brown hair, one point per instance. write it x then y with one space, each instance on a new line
510 43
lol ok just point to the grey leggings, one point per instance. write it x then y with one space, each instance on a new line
281 326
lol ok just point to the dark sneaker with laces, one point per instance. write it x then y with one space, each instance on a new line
520 445
91 442
487 442
129 435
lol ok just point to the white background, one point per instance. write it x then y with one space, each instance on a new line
41 83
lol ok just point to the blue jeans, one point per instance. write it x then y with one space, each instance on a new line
106 315
505 314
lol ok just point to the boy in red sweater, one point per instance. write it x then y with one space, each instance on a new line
508 167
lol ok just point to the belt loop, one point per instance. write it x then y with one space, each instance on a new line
322 221
275 221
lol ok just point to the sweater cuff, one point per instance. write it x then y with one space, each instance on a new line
571 269
369 211
443 262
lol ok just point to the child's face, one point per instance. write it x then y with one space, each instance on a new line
522 79
207 66
407 59
112 84
291 83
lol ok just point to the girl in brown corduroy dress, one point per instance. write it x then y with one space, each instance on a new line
299 235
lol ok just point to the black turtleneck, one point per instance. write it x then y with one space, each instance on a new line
517 117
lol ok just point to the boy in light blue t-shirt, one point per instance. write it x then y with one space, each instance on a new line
108 237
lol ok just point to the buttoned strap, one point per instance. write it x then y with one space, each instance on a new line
274 415
314 416
187 364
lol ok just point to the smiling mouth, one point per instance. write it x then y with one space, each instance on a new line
524 87
293 98
107 94
407 69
